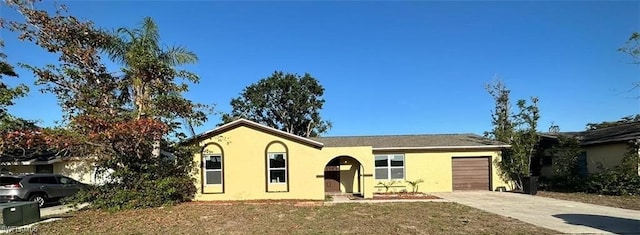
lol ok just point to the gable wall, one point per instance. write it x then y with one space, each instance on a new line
245 171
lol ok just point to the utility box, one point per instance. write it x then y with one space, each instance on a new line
19 213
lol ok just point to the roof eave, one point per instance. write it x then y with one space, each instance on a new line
444 147
231 125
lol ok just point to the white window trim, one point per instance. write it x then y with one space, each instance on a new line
204 168
269 169
389 167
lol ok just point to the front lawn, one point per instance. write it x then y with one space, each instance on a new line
286 218
626 202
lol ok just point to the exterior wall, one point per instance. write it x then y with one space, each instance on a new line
607 155
436 170
349 176
19 169
245 173
81 171
348 170
244 164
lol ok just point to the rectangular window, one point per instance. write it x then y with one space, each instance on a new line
277 167
212 169
389 167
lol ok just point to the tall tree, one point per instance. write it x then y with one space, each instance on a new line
14 131
150 71
622 121
97 104
517 129
632 48
288 102
7 93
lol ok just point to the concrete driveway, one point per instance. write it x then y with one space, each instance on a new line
560 215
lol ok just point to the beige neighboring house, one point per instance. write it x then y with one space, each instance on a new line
50 162
602 148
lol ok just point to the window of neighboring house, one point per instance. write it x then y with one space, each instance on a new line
389 167
44 168
212 169
277 167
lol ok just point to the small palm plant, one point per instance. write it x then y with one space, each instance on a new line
414 184
387 185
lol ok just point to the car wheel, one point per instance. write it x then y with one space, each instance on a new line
39 198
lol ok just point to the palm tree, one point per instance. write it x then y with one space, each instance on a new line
149 69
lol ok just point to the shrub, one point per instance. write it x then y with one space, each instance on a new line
150 193
156 182
606 182
613 182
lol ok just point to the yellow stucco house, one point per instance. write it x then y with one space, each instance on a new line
244 160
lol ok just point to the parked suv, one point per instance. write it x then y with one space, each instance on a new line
37 187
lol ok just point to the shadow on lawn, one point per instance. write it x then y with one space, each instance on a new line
606 223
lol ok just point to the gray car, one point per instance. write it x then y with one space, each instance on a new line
37 187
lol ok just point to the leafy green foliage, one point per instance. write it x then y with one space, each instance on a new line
612 182
150 72
7 95
387 185
624 120
516 129
115 120
622 179
565 156
632 47
151 192
414 184
287 102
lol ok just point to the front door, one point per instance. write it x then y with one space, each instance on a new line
332 179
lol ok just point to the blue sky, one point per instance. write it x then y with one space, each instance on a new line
389 67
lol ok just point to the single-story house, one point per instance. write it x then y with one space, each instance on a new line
244 160
49 162
602 148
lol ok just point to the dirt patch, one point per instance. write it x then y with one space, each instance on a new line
396 196
625 202
283 218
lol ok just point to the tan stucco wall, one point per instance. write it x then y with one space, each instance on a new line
436 170
609 155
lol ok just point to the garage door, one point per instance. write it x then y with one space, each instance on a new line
471 173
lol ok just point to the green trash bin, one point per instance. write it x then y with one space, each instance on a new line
19 213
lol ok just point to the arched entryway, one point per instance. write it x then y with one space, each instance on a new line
343 175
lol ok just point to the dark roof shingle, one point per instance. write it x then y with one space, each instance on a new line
409 141
624 132
612 134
